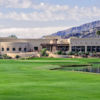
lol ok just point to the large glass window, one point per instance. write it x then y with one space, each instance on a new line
98 48
78 48
73 48
89 49
83 48
92 49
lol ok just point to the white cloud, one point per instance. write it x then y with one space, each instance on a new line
30 32
34 16
16 3
46 12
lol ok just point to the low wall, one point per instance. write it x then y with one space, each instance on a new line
76 56
23 55
56 56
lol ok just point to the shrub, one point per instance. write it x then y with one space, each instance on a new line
43 52
71 53
59 52
81 53
87 53
1 57
17 56
5 56
76 54
91 54
63 53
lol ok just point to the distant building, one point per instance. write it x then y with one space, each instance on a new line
53 44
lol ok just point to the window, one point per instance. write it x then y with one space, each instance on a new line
78 48
98 48
94 48
2 49
25 49
7 49
73 48
82 48
14 49
89 49
36 48
20 49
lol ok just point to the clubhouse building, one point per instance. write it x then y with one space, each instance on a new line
52 43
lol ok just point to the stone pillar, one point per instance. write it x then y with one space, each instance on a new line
85 49
54 49
51 48
70 48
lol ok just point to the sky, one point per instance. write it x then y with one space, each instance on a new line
36 18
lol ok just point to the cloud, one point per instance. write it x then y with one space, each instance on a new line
30 32
45 12
54 14
16 3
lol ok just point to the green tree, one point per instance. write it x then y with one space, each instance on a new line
98 33
13 36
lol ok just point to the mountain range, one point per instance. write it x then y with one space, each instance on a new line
87 30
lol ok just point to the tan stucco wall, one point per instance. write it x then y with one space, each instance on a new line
29 44
12 45
37 43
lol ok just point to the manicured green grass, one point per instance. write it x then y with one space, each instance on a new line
32 80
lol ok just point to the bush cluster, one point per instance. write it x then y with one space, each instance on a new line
43 52
60 53
83 54
5 56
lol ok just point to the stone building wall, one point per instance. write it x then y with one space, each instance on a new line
93 43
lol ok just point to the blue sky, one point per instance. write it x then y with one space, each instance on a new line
35 18
73 2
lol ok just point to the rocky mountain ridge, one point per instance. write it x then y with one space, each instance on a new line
84 31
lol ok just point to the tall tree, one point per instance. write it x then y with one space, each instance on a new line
13 36
98 33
